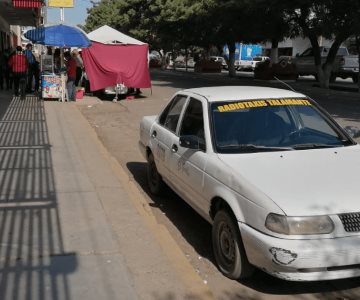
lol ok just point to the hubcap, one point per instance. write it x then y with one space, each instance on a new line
227 245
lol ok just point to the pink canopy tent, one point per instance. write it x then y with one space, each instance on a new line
109 64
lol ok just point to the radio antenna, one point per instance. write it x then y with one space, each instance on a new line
284 83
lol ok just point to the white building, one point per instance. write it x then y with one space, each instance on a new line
291 47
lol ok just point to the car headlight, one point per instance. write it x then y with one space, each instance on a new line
299 225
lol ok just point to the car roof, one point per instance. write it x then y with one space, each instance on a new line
231 93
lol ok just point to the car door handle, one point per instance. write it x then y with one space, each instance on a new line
174 148
154 134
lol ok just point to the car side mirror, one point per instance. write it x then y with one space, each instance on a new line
354 132
190 142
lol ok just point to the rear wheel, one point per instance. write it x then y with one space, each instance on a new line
228 247
155 182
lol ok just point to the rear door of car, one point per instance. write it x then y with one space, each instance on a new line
163 133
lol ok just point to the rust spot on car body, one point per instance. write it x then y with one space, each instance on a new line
282 256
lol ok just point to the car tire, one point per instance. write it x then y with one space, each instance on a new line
228 248
155 182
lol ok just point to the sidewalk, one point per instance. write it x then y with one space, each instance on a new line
68 229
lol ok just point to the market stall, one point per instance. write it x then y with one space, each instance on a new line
53 80
108 65
116 60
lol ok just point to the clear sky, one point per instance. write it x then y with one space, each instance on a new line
73 16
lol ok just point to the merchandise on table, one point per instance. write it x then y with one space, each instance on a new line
51 86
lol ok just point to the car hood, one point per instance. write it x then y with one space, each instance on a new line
303 182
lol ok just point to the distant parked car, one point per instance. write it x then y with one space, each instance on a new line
115 91
190 62
219 59
345 65
258 59
284 69
154 61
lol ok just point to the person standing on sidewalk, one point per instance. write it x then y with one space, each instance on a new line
33 71
71 76
79 66
19 67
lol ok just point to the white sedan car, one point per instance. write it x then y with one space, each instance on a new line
272 172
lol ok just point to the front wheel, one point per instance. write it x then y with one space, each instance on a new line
228 247
155 182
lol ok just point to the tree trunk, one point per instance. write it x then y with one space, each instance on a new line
323 75
163 59
274 53
327 67
232 71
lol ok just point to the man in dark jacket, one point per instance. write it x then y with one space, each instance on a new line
33 71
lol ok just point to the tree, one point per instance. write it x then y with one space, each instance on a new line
102 13
332 19
233 21
273 24
184 23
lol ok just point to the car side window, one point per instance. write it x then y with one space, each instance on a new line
193 122
170 116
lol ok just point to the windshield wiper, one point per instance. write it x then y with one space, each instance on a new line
253 148
313 146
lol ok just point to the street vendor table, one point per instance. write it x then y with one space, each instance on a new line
63 36
53 86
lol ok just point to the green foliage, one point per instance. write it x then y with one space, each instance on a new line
182 23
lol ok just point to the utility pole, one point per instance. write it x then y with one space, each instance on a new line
62 15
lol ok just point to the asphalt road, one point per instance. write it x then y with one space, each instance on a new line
116 125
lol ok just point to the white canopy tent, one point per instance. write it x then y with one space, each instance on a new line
109 35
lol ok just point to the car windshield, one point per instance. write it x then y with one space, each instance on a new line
272 125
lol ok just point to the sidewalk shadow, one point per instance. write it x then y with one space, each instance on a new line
197 232
33 262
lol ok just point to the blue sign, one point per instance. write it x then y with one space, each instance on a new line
244 51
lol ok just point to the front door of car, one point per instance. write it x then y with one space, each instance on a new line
163 133
187 165
305 62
